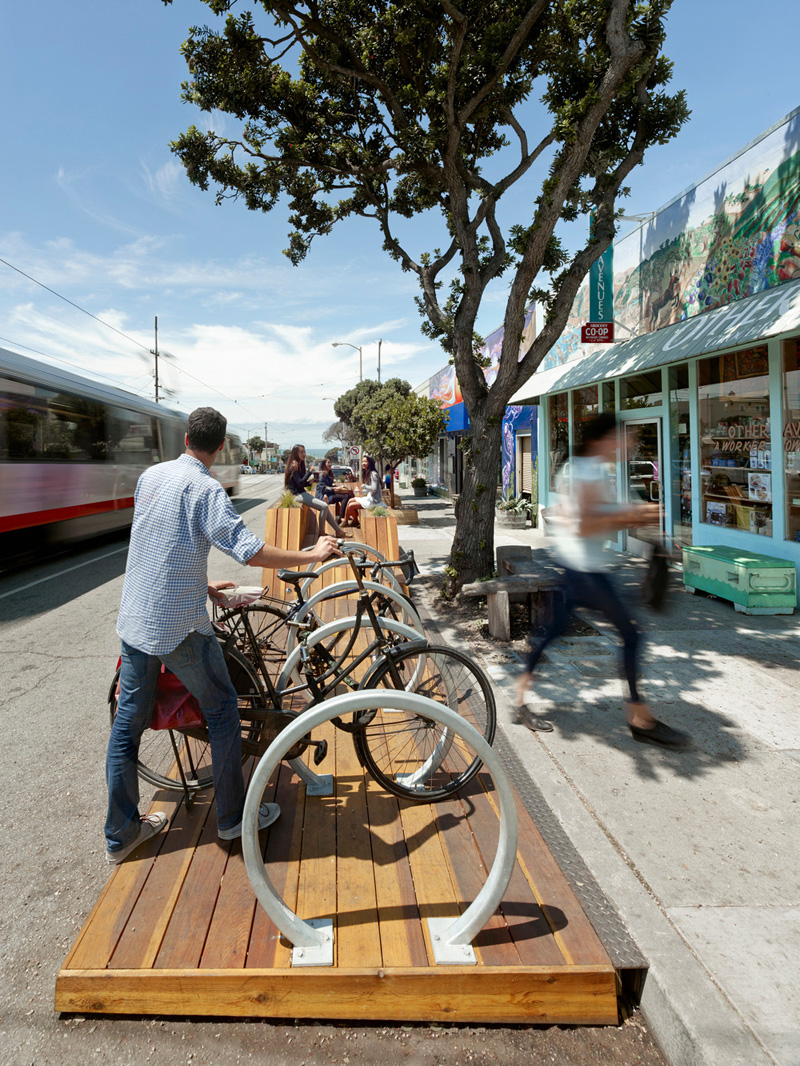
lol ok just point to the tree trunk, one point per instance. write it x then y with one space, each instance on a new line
472 555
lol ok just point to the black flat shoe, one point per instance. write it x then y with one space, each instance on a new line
661 734
527 718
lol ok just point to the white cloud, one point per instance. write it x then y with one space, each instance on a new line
167 181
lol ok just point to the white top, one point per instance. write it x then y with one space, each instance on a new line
371 491
590 491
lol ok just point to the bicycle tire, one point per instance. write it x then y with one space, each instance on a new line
331 564
330 639
265 620
412 757
156 762
396 605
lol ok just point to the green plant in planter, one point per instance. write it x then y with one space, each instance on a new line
418 483
379 512
287 500
513 505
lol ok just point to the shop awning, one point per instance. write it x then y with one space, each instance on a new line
767 314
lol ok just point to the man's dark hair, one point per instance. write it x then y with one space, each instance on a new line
594 429
206 430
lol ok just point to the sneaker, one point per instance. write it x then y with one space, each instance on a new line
267 814
149 827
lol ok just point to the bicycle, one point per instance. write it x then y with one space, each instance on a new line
274 624
409 755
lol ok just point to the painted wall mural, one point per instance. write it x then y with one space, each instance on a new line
516 420
732 235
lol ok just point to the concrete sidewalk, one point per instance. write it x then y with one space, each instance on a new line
696 850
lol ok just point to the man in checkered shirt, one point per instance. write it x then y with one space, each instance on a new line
180 511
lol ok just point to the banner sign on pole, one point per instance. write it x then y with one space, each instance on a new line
601 284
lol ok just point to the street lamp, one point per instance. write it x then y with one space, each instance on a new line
339 344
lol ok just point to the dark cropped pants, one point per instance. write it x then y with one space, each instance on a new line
595 592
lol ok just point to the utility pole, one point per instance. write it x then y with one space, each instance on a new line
380 342
155 353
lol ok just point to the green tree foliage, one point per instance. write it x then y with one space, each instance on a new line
391 110
397 426
352 406
332 454
256 444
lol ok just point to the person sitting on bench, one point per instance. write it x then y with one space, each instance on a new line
296 479
370 492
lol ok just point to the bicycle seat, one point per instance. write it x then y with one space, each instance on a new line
294 577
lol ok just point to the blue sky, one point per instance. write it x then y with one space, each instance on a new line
95 206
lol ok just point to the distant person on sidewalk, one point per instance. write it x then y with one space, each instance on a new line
370 492
328 491
589 517
180 511
296 479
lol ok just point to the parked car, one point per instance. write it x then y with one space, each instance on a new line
343 473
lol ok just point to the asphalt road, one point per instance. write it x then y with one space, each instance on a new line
58 650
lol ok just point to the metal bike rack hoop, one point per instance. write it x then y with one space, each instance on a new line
451 941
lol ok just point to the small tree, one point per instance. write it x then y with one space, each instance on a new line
332 454
397 426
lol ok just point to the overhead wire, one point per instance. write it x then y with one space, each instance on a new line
120 333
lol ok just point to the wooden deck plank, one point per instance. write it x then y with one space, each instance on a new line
579 995
359 942
402 942
144 931
186 933
436 894
524 919
100 935
493 944
229 932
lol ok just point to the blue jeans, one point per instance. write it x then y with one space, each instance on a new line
199 665
595 592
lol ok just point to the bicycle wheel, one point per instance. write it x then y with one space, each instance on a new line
267 623
332 647
159 749
386 601
412 756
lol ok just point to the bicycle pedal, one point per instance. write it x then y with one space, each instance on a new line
321 750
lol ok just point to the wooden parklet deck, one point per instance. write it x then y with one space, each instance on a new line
178 930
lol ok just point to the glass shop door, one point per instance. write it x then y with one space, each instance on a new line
642 467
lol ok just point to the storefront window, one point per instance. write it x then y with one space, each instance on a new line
643 390
558 412
790 358
609 400
584 407
680 454
735 455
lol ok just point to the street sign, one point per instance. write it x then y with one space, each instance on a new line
597 333
354 450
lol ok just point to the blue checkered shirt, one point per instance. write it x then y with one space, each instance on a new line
180 511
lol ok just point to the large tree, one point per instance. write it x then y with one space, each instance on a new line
389 110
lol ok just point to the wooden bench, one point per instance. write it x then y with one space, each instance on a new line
538 582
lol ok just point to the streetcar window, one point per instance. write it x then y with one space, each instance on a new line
133 437
40 424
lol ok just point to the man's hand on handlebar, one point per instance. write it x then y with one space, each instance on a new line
323 549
